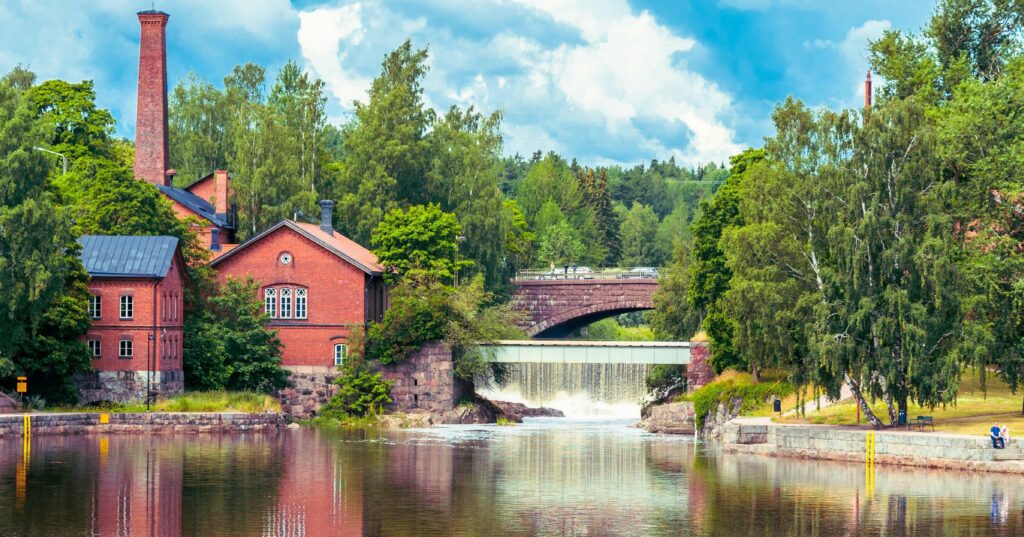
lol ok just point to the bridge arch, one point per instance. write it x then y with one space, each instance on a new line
557 308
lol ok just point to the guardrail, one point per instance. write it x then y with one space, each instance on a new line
584 273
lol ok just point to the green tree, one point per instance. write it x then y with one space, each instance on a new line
709 274
43 292
673 318
233 349
72 123
386 149
637 233
560 245
421 240
198 118
464 177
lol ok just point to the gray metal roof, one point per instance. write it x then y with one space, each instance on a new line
127 256
195 204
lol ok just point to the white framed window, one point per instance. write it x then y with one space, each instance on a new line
124 348
286 303
127 307
300 303
95 306
270 302
340 353
94 348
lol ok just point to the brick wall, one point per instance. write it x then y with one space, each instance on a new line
335 294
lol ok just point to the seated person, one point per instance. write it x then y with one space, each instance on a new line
1004 435
997 440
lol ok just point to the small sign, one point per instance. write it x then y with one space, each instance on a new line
22 384
104 418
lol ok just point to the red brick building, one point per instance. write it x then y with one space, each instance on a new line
206 198
136 308
316 284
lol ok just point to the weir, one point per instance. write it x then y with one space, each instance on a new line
577 389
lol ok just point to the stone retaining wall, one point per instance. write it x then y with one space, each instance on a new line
157 423
127 386
308 392
425 381
928 449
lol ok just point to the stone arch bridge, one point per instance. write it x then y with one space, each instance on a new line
557 307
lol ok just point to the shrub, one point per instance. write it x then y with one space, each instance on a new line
739 385
360 392
664 376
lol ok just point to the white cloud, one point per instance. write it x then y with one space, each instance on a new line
321 35
590 82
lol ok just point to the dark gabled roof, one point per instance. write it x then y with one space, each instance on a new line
110 256
335 243
195 204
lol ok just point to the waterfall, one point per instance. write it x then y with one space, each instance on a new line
578 390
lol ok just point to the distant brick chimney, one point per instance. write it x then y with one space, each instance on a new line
220 191
867 90
151 155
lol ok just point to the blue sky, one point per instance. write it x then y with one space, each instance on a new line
615 81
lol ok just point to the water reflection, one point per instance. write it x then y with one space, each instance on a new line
546 477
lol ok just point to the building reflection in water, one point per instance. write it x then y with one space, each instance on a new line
526 480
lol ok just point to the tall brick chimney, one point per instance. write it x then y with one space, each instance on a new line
867 90
151 155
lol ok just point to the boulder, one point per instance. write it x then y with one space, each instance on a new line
8 405
670 418
512 410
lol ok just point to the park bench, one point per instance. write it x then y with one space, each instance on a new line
922 421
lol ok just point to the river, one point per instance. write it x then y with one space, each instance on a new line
544 477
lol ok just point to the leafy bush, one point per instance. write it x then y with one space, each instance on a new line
739 385
664 376
425 310
360 392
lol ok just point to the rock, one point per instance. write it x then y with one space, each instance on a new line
294 425
405 421
8 405
521 410
720 416
671 418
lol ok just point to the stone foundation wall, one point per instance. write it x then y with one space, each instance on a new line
698 371
156 423
125 386
425 381
309 392
928 449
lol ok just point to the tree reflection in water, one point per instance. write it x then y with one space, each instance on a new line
546 477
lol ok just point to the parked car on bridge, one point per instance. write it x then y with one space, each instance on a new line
641 272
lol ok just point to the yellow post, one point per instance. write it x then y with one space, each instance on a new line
869 464
104 418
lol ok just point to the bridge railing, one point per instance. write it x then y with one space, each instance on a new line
585 273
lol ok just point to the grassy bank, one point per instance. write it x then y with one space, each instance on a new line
974 412
189 402
731 384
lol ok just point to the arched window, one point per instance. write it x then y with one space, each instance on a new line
340 353
286 302
300 303
270 302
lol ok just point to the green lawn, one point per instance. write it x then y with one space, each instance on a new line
218 401
973 413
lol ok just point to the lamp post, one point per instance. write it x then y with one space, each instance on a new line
63 158
458 240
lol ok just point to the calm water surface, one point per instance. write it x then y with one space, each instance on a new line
545 477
